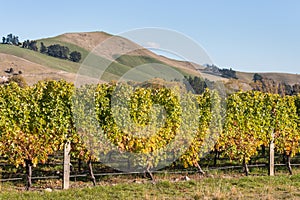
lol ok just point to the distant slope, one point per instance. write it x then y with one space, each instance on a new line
283 77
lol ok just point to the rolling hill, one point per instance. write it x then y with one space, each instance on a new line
36 66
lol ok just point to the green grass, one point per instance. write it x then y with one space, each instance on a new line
122 67
134 61
218 187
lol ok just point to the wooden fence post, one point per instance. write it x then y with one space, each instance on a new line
66 174
271 156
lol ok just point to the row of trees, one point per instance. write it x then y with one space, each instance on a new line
226 73
60 51
152 127
55 50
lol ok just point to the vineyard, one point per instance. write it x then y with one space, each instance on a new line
150 127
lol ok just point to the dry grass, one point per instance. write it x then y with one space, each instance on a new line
32 72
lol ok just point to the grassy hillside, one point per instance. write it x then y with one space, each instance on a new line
50 67
37 63
94 65
121 64
92 40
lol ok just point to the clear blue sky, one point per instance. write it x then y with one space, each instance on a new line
250 35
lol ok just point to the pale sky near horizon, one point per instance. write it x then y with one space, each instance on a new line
255 36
